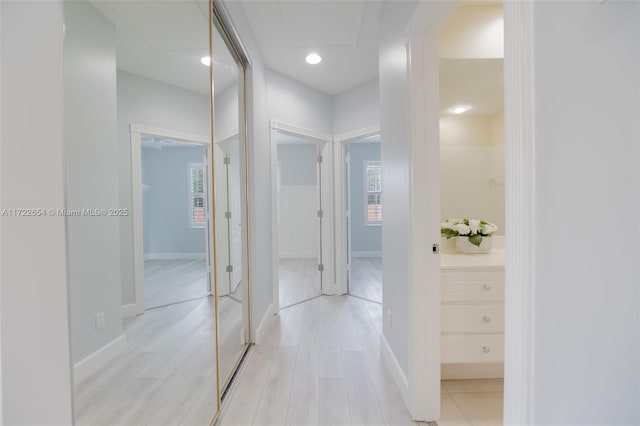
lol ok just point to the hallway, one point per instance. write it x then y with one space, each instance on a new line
320 364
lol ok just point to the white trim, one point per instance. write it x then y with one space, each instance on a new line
299 131
136 132
175 256
98 359
228 137
424 221
326 199
298 255
366 253
262 328
520 212
129 311
357 134
393 366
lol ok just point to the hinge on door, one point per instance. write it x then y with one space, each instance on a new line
321 267
320 213
227 215
227 160
229 268
319 159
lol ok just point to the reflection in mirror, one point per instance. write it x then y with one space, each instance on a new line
472 140
230 202
138 138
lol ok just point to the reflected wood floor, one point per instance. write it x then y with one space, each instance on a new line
299 280
170 281
366 278
166 375
320 364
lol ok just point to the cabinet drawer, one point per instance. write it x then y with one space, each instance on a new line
472 286
478 319
472 349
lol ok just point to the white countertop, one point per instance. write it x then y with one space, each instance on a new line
492 261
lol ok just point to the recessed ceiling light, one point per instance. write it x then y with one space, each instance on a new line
313 58
459 109
206 60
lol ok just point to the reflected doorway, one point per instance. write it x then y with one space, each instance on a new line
174 221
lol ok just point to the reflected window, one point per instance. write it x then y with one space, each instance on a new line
196 200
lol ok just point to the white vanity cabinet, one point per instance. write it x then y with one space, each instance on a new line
472 308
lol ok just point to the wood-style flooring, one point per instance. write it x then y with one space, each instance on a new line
169 281
320 364
366 278
299 280
167 374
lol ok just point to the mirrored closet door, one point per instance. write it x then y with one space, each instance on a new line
155 210
229 156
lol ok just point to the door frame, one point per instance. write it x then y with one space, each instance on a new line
326 199
340 142
423 396
136 132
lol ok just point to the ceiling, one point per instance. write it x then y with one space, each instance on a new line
344 33
477 83
165 40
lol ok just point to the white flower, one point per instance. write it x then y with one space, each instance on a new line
489 228
474 225
461 229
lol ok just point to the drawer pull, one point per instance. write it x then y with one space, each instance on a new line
486 287
486 319
486 349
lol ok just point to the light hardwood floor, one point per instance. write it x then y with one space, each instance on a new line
299 280
320 365
166 376
471 402
170 281
366 278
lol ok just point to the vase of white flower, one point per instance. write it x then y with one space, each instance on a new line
473 236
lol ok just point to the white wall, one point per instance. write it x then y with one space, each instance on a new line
36 359
92 177
259 159
294 103
356 108
473 31
472 168
395 154
587 108
150 103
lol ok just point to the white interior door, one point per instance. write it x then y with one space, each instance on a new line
222 235
207 226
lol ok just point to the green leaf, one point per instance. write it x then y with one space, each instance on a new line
476 240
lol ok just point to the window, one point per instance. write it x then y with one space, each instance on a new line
373 194
196 198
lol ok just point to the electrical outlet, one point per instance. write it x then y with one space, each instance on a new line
99 320
389 322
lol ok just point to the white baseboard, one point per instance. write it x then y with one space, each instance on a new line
130 310
94 362
366 254
174 256
297 255
471 371
262 328
393 366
